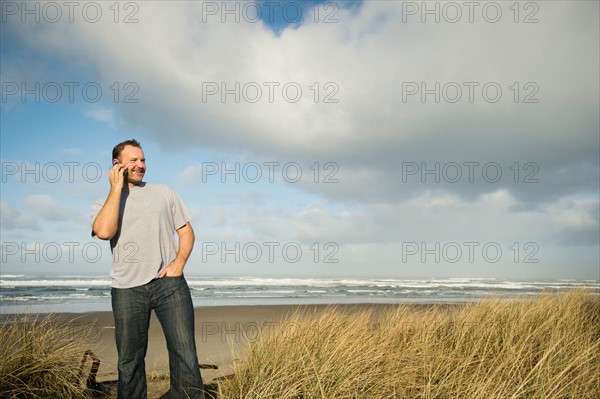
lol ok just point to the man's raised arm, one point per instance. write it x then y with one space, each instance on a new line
107 222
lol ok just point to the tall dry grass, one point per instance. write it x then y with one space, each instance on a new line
547 348
41 358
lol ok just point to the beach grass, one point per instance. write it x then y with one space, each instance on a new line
42 358
546 347
537 347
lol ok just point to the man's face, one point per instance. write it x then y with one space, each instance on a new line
133 159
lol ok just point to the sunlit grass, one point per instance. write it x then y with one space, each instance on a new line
546 348
41 358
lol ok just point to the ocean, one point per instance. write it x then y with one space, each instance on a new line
47 294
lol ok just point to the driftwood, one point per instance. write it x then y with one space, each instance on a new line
91 378
100 388
92 384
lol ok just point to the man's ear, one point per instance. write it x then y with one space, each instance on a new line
115 161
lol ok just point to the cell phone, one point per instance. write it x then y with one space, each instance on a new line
125 172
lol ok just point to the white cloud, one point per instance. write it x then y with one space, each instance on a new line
13 219
192 174
102 114
171 55
72 150
48 208
372 132
576 220
431 217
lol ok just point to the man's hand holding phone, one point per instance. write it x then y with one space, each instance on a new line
118 175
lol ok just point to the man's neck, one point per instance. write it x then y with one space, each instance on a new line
130 184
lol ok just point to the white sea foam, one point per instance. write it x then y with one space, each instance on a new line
74 291
54 282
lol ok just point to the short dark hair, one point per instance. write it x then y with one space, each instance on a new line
119 147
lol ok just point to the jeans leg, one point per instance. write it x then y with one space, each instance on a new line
131 310
175 311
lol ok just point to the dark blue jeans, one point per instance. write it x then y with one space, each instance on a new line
171 300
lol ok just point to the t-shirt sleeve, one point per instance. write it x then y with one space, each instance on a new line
95 210
181 215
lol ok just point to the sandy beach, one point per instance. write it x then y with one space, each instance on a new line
358 350
223 333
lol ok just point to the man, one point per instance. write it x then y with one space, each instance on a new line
140 220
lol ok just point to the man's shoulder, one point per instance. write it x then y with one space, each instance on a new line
158 187
160 190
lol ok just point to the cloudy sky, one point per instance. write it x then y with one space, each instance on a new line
343 139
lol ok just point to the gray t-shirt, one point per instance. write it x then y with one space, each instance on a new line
145 240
